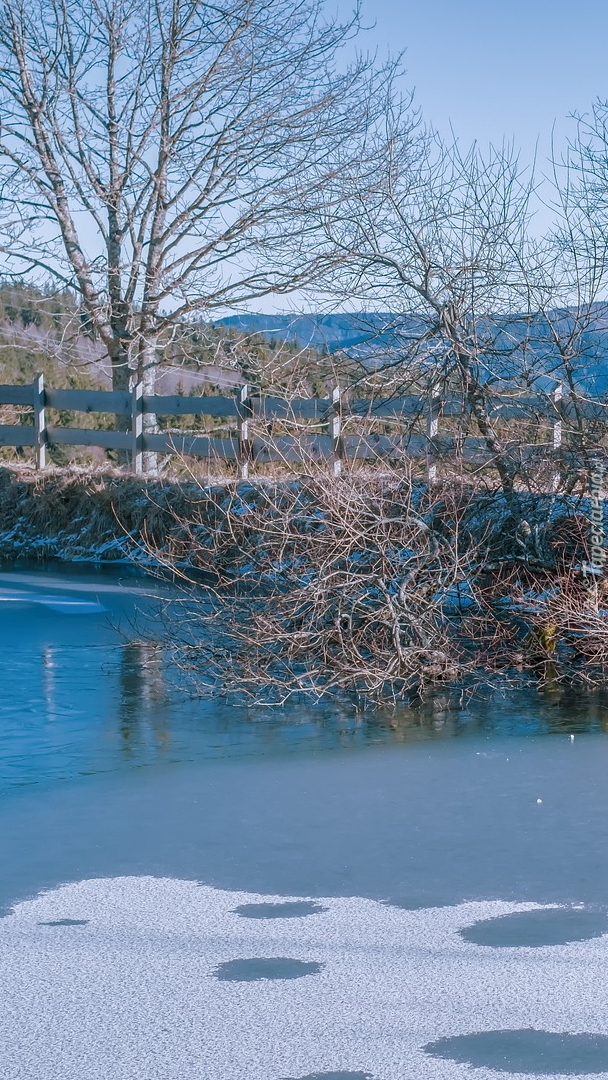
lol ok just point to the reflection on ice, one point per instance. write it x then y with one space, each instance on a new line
65 605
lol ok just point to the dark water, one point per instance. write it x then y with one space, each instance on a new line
274 967
107 769
535 929
527 1051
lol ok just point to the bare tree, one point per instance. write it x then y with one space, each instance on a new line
570 296
442 243
157 156
342 585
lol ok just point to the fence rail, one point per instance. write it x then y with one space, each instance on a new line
249 411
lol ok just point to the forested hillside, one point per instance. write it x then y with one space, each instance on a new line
42 330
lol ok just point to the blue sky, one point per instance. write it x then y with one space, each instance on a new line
494 69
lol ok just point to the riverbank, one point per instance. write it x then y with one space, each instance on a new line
365 583
88 515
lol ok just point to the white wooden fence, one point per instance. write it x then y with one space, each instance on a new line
252 417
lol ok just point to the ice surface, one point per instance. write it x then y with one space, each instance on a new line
390 994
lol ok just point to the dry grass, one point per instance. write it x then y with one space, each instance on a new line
88 513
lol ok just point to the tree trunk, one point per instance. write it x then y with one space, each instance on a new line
121 375
146 374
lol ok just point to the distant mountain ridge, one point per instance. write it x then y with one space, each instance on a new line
330 332
370 336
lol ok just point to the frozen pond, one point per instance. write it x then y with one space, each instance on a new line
195 890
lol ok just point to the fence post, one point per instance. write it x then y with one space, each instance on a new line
40 422
337 443
557 436
137 427
432 430
244 410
